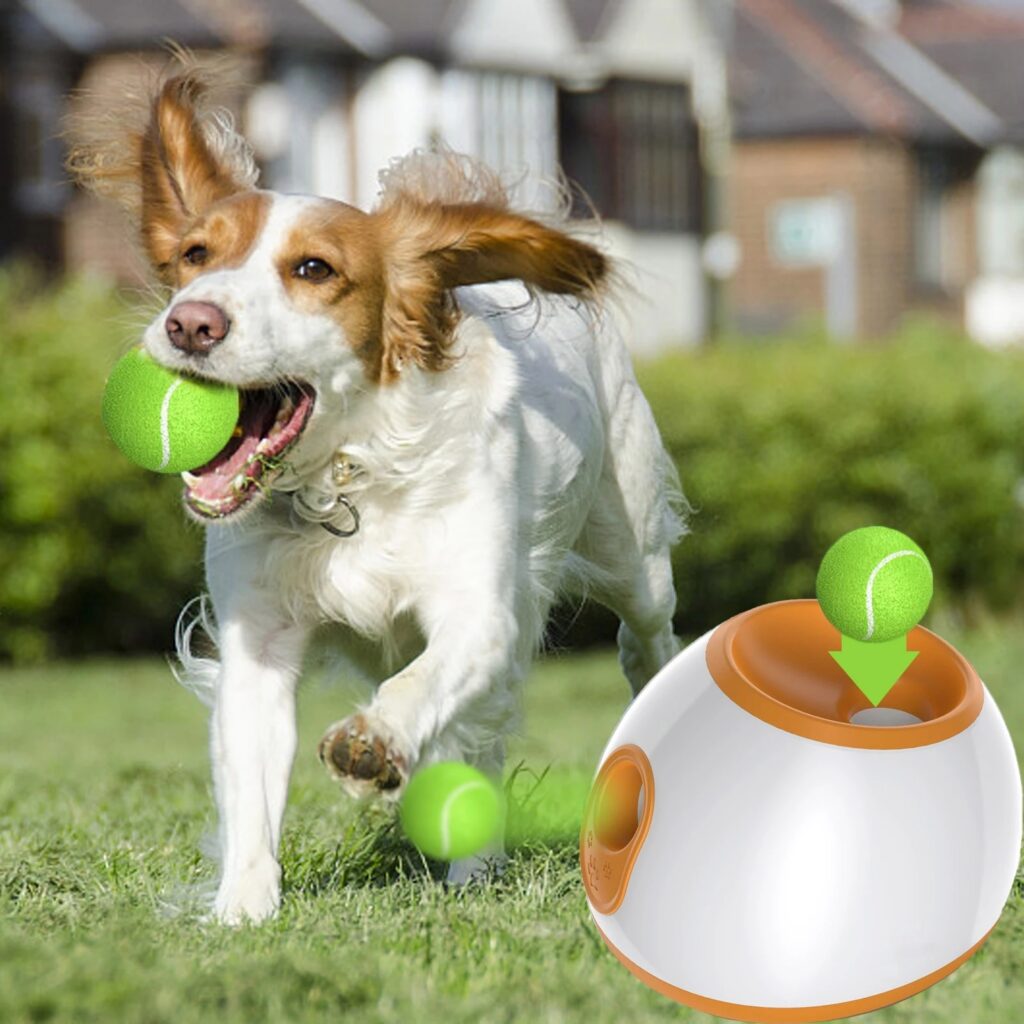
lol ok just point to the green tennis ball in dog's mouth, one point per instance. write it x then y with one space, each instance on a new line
874 584
451 810
165 422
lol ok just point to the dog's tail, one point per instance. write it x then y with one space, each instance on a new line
196 672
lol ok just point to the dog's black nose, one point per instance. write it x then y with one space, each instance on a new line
196 327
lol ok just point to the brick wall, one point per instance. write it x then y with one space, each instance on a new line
100 240
879 175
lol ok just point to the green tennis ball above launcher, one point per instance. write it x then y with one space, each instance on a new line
874 584
165 422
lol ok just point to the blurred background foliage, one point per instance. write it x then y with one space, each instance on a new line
95 554
782 446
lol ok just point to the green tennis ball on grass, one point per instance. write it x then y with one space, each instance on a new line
165 422
451 810
874 584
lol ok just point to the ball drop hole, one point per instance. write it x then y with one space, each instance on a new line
619 807
884 717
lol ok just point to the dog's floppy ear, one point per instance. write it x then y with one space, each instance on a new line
181 173
165 157
430 248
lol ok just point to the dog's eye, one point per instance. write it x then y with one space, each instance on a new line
313 270
196 255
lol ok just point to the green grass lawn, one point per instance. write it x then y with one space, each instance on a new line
104 796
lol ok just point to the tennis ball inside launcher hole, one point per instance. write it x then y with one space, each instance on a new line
874 584
165 422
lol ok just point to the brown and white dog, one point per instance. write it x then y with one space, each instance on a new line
440 433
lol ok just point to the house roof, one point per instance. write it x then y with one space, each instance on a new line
102 25
938 70
87 25
589 16
982 49
422 26
373 28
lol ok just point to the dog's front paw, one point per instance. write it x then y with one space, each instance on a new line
252 896
361 753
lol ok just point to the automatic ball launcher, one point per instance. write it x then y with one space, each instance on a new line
811 812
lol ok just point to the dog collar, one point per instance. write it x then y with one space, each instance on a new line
343 471
315 514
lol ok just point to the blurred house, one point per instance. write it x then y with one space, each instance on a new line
878 164
619 93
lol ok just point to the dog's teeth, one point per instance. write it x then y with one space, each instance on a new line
239 482
263 446
190 478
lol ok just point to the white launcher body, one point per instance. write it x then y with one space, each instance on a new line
749 851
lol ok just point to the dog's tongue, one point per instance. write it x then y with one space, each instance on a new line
255 422
270 422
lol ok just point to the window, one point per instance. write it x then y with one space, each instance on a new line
38 154
516 122
632 148
506 120
933 180
1001 213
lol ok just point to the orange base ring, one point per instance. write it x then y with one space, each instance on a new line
795 1015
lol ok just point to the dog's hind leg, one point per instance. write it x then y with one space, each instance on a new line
633 523
645 638
645 602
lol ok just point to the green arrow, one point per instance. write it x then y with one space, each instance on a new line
874 667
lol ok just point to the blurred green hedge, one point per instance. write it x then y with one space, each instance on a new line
782 446
95 554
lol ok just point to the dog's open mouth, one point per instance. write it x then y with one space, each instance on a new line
271 420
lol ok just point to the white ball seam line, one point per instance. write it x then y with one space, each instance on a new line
446 839
165 436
